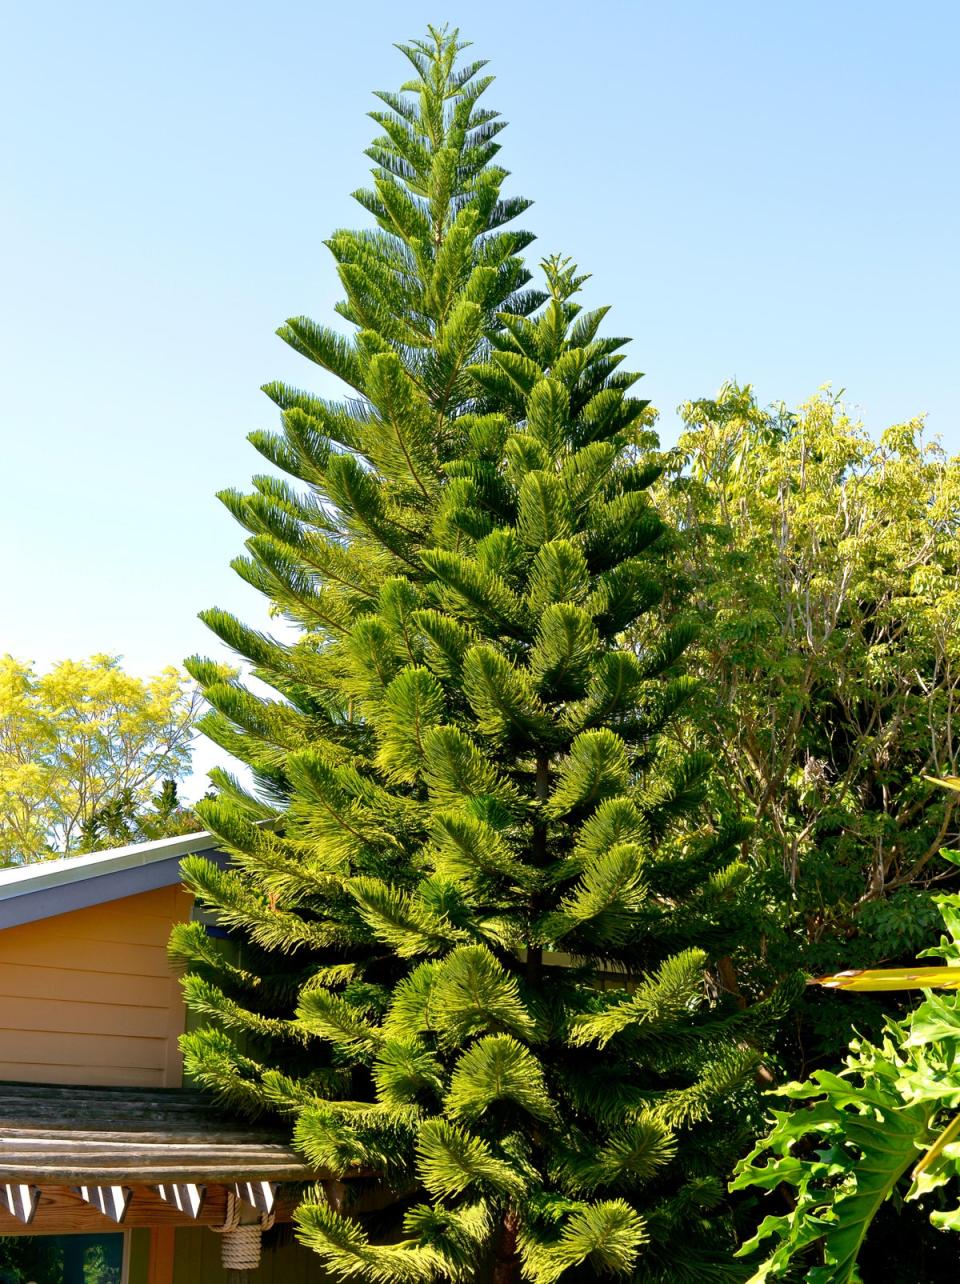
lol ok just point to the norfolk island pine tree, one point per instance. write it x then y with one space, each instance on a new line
476 902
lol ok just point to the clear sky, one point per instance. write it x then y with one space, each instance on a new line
766 191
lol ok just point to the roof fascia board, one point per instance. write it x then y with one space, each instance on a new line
47 888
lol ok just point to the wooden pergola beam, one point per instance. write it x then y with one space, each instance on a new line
60 1210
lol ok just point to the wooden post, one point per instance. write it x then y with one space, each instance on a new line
162 1245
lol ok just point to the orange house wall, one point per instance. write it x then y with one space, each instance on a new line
89 997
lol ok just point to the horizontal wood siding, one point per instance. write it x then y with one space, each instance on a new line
197 1260
88 997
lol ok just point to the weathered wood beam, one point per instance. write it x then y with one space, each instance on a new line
20 1200
101 1150
187 1196
112 1201
73 1171
18 1104
99 1153
171 1133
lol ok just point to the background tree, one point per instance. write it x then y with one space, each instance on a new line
479 936
25 1258
81 740
125 819
825 567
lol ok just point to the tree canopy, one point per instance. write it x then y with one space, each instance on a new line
826 570
481 899
82 740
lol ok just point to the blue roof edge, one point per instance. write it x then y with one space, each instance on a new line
47 888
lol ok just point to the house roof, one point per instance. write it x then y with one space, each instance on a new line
45 888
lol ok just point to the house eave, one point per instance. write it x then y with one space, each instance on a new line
47 888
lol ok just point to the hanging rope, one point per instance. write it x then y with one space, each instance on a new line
240 1246
232 1217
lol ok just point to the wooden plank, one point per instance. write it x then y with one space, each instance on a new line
102 1076
113 923
145 916
53 1048
161 904
61 1211
154 1122
66 1016
83 952
94 1158
34 981
90 996
92 1107
162 1253
96 1146
114 1098
106 1174
120 922
176 1024
166 1131
289 1262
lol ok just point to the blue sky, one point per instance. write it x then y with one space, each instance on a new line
762 191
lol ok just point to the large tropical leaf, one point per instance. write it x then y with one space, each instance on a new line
841 1157
874 980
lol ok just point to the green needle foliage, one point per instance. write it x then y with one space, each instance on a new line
477 904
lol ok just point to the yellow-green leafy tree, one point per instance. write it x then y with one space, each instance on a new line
83 741
826 570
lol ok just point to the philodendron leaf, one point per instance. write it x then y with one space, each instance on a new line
874 980
946 782
858 1140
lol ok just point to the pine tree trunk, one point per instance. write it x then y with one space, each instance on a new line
730 981
535 953
506 1265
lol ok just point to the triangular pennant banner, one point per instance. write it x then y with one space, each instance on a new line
112 1201
20 1201
185 1196
262 1195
